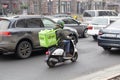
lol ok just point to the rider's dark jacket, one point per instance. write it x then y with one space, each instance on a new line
62 34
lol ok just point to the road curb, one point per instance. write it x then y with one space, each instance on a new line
102 75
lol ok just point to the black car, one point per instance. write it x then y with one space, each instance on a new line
109 37
72 23
19 34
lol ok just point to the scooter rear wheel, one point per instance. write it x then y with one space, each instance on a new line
50 63
74 58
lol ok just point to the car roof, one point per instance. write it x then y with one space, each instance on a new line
16 17
57 19
108 17
61 15
99 10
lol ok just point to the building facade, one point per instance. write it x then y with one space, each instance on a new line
10 5
57 6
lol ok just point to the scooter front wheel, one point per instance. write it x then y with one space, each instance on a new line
74 58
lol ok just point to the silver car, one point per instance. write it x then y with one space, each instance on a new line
19 34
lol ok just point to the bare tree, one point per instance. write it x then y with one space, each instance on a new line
59 6
40 7
103 4
74 6
90 4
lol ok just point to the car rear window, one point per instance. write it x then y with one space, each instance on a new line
4 24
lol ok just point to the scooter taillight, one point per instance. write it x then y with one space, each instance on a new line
47 52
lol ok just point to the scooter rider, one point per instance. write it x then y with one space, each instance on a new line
62 37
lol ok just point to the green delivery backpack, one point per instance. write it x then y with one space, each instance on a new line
47 38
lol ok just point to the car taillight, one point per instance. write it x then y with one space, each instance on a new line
5 33
90 27
47 52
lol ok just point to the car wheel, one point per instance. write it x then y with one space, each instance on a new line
107 48
95 38
85 35
23 49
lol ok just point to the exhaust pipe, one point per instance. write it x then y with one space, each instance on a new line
54 60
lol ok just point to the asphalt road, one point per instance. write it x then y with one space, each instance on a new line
91 58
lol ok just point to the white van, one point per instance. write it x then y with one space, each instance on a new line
89 14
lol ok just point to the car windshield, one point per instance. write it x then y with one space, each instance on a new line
4 24
114 25
100 21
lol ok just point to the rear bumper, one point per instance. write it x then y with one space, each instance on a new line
5 48
92 32
109 42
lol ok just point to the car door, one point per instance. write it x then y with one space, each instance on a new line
74 24
34 26
19 30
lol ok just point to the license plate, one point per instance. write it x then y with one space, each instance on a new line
97 28
110 35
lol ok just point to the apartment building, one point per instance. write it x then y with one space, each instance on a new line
58 6
11 5
113 4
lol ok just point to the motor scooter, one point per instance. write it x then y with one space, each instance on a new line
57 54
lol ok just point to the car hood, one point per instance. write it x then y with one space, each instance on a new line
72 29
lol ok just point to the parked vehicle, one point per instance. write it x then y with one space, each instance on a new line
19 34
97 23
109 37
89 14
57 54
72 23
